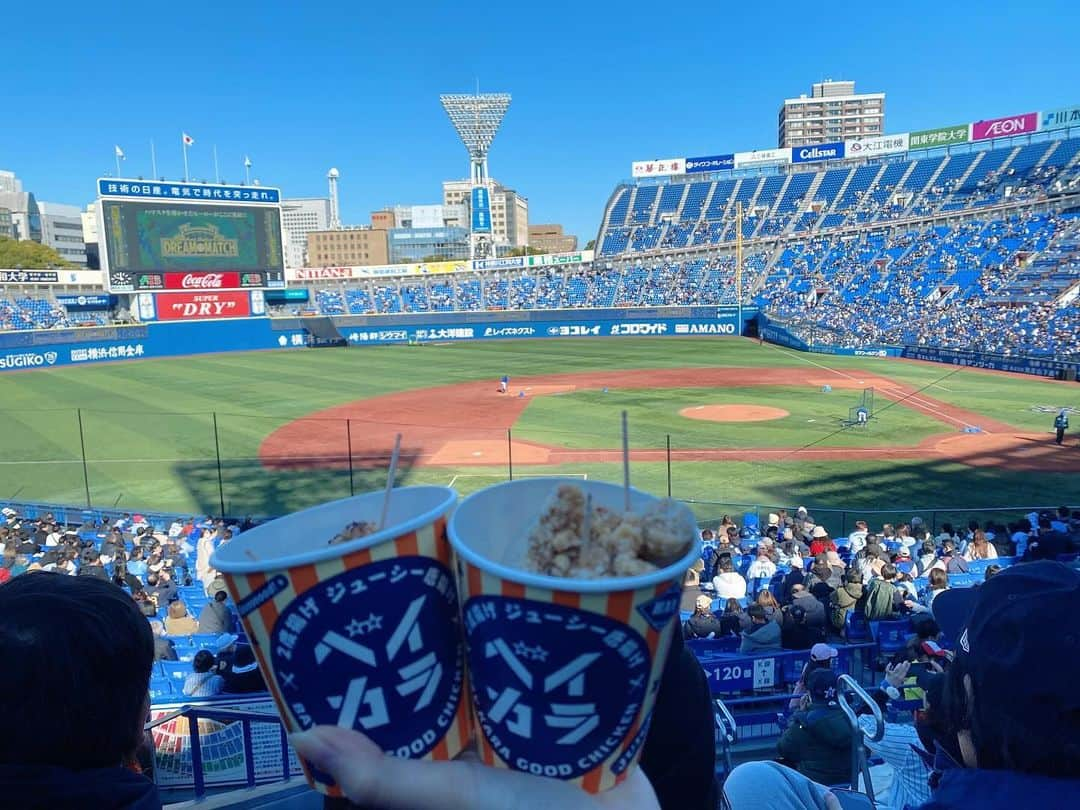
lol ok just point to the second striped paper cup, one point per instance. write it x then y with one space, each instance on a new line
564 672
364 634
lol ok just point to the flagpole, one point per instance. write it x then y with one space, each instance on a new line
153 160
183 144
247 170
117 156
217 174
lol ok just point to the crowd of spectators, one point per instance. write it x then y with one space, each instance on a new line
166 574
792 585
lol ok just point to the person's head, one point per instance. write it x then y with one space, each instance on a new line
821 569
797 589
1009 633
1063 512
204 661
706 534
853 576
177 610
991 571
948 547
73 687
703 605
821 685
690 580
725 566
861 526
763 552
756 613
732 606
767 600
938 579
732 533
928 548
798 614
823 655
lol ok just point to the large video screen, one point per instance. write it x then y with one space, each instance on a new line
159 238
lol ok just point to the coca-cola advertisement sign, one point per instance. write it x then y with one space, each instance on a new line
202 281
202 305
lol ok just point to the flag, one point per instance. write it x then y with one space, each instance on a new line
120 153
188 140
247 162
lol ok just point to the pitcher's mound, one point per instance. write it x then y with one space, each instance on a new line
733 413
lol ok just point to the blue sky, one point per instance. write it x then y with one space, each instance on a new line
595 85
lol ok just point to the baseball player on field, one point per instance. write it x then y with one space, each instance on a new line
504 384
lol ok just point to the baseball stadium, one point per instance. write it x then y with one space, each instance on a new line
878 334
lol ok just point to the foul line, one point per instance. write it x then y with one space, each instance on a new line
814 363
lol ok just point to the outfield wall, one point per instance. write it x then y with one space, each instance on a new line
49 348
775 332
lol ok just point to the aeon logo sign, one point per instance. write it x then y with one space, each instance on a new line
1004 127
203 281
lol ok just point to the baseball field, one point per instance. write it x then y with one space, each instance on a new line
746 425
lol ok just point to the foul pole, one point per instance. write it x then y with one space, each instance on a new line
738 262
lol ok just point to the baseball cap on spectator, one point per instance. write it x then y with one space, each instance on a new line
801 510
216 585
1006 630
904 551
819 531
774 519
834 560
822 652
224 641
821 684
703 603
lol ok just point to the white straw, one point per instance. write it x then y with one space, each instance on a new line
390 481
626 462
586 524
251 554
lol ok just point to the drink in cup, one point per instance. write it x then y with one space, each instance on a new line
564 668
358 627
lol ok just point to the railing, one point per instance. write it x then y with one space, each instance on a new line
193 714
859 767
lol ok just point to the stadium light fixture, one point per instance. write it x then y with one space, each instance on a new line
476 118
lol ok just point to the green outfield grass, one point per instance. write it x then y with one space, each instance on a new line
149 434
592 419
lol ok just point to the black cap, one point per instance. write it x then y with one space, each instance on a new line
821 684
1015 637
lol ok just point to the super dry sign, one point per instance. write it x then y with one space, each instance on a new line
202 305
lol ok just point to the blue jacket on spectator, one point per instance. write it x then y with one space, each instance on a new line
1000 790
62 789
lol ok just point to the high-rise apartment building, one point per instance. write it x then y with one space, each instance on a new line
832 112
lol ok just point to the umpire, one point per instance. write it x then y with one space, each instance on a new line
1061 424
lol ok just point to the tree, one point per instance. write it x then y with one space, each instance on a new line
29 255
525 251
590 245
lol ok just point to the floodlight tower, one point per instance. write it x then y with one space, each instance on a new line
335 214
477 118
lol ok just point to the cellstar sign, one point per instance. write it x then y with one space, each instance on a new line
1004 127
657 168
711 163
1065 117
481 210
199 306
818 152
761 157
881 145
942 136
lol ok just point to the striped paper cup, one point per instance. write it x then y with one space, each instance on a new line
564 672
364 634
